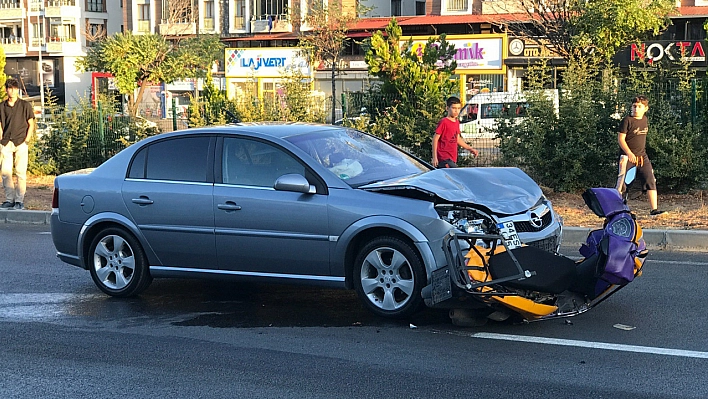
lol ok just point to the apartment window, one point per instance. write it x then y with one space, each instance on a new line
95 6
240 14
266 8
95 33
177 12
209 15
37 34
395 8
61 31
144 18
419 8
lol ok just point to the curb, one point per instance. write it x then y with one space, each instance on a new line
693 240
25 217
696 240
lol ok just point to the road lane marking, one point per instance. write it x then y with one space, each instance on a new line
593 345
668 262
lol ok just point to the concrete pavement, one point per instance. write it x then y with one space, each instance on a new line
696 240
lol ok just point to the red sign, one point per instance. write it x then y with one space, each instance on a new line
682 50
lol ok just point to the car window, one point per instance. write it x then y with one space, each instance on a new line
255 163
356 157
179 159
137 166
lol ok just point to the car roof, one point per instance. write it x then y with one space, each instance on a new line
274 129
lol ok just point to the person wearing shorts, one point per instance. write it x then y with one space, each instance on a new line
632 138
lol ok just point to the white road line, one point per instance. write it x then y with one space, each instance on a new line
668 262
593 345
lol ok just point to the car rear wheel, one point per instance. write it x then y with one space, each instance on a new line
389 277
118 264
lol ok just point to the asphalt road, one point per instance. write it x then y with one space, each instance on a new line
61 338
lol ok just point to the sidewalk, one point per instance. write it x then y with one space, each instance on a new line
696 240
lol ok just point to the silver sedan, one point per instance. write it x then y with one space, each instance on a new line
287 203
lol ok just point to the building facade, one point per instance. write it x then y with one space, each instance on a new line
42 40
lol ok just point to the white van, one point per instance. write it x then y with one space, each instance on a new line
479 116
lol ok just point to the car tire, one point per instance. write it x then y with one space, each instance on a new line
118 264
389 277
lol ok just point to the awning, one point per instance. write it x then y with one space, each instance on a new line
359 34
264 36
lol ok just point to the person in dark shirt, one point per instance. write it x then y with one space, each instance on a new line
632 138
17 125
447 137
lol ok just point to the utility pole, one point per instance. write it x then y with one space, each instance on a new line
41 69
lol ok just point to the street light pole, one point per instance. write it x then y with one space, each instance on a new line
41 69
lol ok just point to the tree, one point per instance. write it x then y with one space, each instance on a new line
414 83
137 61
582 27
328 37
199 53
3 77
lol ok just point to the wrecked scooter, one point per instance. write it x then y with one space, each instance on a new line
493 276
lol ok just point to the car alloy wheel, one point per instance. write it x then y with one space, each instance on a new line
389 277
117 263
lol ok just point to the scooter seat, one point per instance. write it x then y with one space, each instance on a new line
553 273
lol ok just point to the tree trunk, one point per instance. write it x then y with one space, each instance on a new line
133 110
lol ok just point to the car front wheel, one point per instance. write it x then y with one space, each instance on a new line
389 277
118 264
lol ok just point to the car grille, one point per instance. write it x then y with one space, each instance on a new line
527 227
547 244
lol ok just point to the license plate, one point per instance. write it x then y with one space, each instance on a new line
508 231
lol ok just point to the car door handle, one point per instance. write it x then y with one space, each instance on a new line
143 200
229 206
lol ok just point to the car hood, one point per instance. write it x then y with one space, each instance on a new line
500 190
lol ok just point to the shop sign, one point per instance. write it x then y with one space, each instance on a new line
691 51
474 52
264 62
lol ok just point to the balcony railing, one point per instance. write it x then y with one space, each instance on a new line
261 24
61 3
4 5
175 29
11 11
208 23
239 23
456 5
144 26
55 39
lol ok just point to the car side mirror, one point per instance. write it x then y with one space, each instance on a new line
294 182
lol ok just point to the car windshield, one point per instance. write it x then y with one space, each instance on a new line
356 157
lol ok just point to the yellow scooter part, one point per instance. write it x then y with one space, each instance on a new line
526 307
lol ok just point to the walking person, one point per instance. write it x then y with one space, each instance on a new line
447 137
17 125
632 139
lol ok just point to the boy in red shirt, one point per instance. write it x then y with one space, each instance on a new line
447 137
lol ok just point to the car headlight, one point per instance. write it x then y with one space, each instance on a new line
622 228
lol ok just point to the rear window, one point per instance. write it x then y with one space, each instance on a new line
179 159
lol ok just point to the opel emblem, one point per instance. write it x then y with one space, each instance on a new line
536 221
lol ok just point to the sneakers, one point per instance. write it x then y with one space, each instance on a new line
655 212
19 206
7 205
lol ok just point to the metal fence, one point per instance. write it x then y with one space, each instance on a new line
73 139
